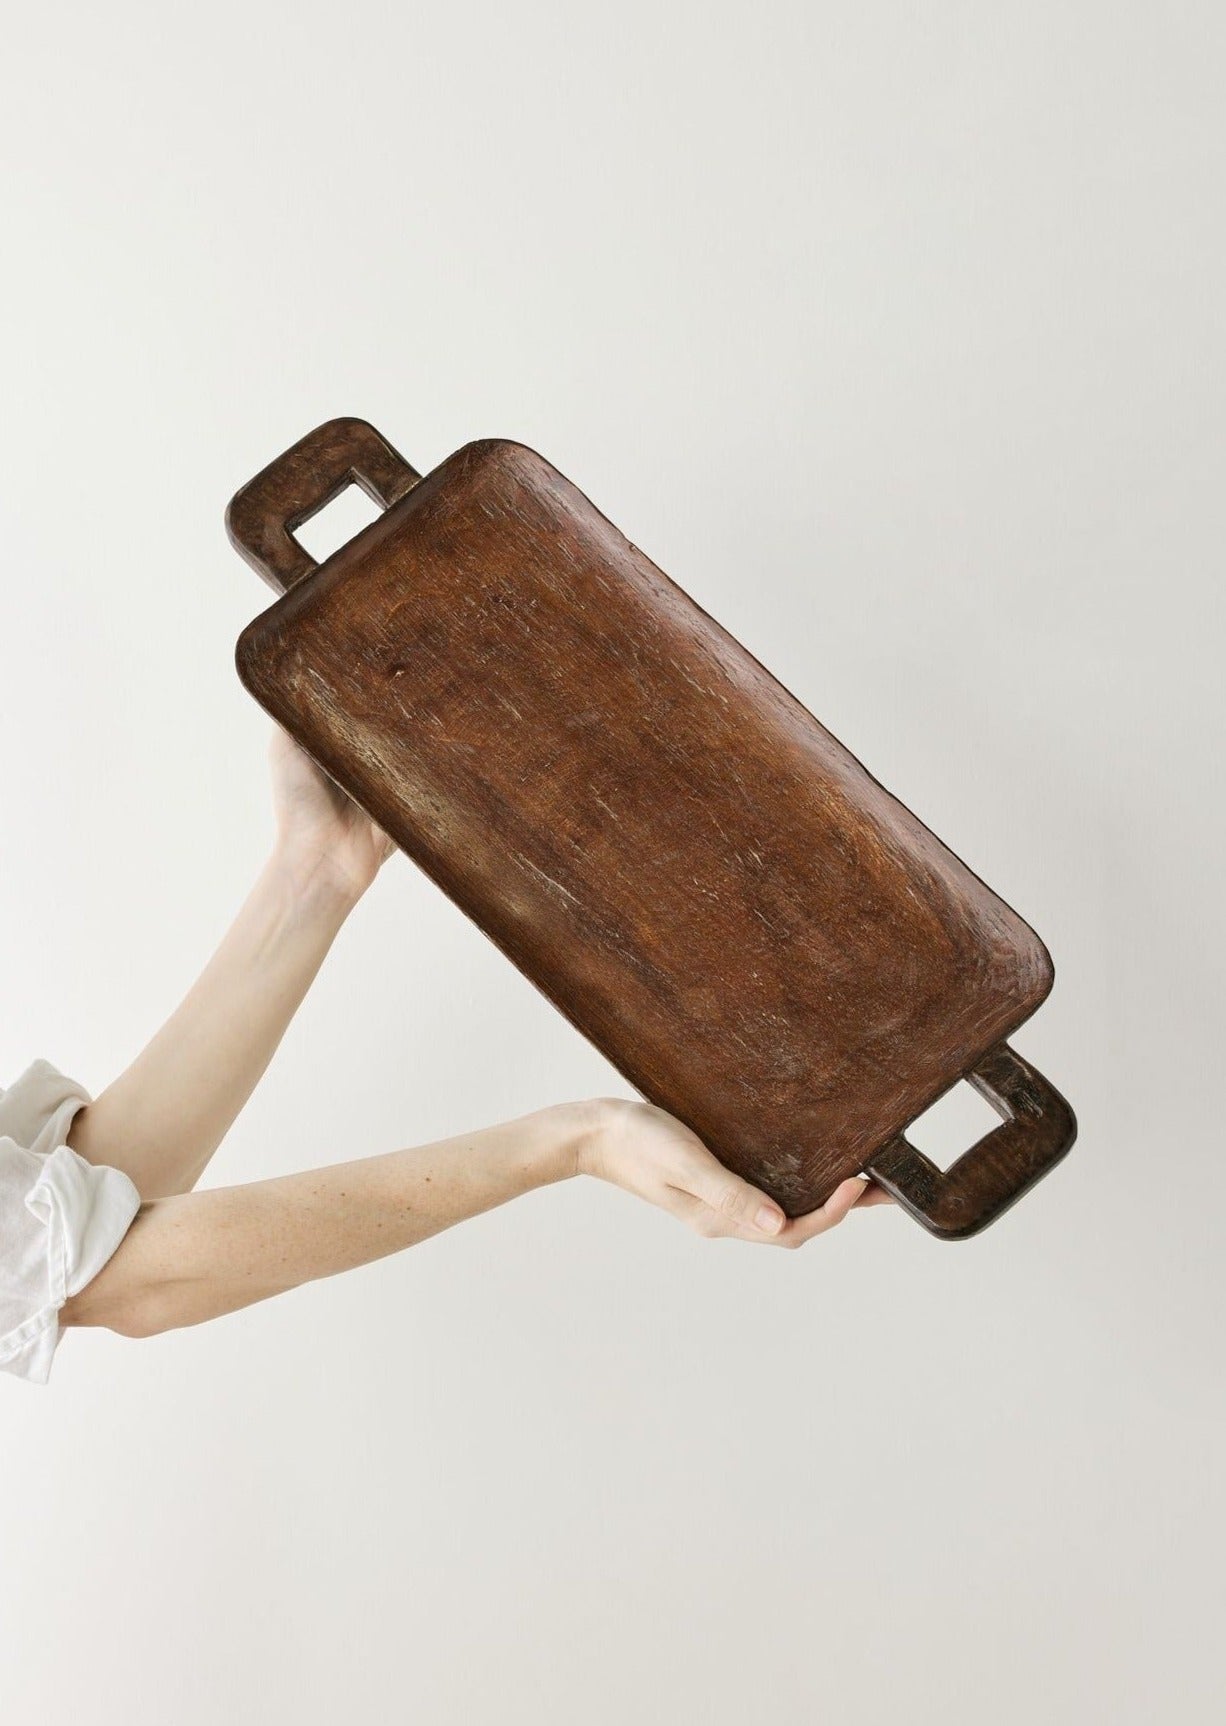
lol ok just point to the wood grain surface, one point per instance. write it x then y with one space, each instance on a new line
696 873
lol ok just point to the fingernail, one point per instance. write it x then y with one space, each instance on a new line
769 1220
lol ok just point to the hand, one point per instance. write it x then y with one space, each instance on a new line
646 1151
322 834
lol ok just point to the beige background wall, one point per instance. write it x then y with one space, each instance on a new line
894 334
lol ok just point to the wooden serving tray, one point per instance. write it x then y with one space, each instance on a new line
756 934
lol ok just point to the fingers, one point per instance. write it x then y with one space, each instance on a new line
842 1201
715 1222
733 1201
718 1204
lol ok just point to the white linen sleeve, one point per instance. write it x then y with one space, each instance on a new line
61 1217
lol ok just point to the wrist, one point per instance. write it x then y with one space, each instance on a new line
310 883
571 1134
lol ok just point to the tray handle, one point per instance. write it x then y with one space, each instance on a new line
261 518
1037 1129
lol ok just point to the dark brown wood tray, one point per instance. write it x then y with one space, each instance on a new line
756 934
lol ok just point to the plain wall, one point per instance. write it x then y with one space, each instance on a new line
894 334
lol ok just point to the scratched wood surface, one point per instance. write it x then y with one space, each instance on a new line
694 871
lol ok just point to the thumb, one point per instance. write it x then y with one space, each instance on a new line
741 1204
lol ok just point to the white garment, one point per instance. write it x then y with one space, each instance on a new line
61 1218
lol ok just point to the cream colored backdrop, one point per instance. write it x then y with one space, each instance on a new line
895 335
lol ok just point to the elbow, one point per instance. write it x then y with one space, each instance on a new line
138 1292
132 1311
138 1320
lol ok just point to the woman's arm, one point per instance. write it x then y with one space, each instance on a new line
163 1118
195 1256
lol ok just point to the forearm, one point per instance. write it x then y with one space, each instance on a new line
163 1118
195 1256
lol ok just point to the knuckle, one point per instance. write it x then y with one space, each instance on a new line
731 1200
682 1170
